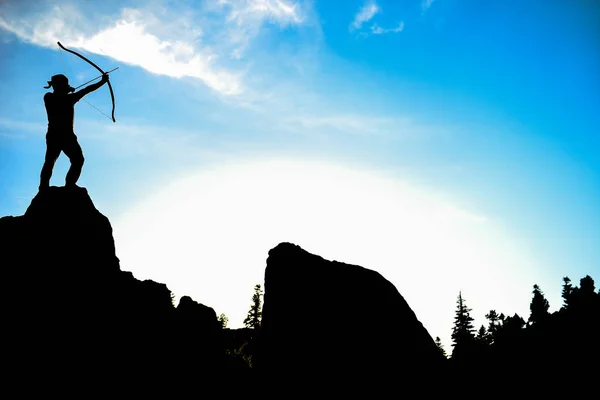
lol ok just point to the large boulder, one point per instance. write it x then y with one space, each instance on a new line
324 317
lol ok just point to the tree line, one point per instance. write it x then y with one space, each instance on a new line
543 336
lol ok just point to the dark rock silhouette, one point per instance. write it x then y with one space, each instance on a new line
326 316
65 295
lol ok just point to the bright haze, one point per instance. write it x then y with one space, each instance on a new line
450 145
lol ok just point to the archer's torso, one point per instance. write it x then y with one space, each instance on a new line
61 112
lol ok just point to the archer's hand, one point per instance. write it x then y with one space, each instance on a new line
104 78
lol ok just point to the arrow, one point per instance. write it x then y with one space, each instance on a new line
99 76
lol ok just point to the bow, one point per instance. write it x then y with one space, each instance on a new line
112 96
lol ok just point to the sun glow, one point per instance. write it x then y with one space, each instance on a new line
208 236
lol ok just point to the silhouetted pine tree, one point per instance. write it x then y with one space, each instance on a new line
538 306
438 343
255 313
482 336
493 326
463 331
566 292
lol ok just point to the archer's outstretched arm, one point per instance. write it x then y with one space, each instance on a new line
88 89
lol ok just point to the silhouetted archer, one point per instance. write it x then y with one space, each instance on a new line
60 108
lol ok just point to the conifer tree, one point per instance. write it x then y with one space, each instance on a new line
539 305
483 336
254 316
493 326
438 343
463 330
566 292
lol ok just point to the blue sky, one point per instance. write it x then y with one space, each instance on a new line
488 110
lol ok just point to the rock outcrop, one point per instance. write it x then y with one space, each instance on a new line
66 301
326 317
64 295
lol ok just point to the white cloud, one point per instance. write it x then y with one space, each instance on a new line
177 43
130 42
43 28
243 20
278 11
425 4
378 30
365 14
128 39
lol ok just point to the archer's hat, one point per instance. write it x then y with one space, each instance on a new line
58 81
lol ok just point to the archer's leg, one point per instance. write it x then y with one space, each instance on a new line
52 153
73 150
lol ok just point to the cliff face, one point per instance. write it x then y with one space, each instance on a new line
66 299
325 316
64 292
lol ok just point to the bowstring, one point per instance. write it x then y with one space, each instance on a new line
93 106
87 102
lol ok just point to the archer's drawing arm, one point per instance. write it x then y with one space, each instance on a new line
88 89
